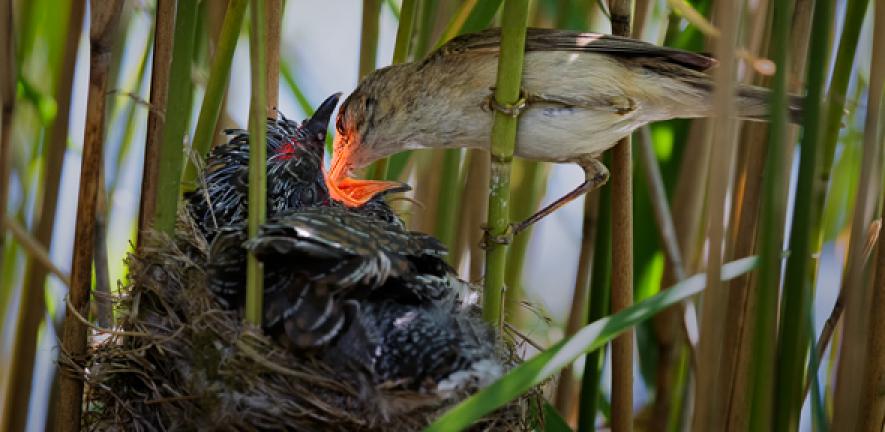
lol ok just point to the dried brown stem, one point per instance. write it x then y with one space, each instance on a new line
103 18
163 33
852 378
273 12
708 404
7 101
34 249
622 254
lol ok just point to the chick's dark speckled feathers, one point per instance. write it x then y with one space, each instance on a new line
351 286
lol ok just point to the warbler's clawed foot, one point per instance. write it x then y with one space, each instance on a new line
511 110
488 240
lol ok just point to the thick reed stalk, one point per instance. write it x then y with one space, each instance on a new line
766 296
793 335
156 121
507 87
210 109
257 157
708 409
103 20
622 254
178 111
856 372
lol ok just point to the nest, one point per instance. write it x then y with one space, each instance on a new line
179 361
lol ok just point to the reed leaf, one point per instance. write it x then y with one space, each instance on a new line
593 336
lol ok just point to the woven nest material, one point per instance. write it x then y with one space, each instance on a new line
178 361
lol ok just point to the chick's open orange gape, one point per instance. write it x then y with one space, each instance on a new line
351 191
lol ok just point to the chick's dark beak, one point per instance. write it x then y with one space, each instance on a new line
318 124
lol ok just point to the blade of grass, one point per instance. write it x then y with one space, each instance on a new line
851 377
257 157
103 19
178 112
593 336
163 38
210 109
507 88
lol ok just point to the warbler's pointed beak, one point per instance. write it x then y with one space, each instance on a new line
355 192
318 124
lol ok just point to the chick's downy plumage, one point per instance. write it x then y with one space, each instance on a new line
351 286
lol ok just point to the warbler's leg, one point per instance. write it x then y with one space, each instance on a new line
595 175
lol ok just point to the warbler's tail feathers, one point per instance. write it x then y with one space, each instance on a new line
754 104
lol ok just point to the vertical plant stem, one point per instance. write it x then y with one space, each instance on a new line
834 109
793 333
448 197
178 111
156 121
257 158
210 109
8 79
32 301
369 37
622 254
103 19
851 384
273 12
400 55
11 414
507 86
873 410
577 317
770 225
531 186
599 303
708 409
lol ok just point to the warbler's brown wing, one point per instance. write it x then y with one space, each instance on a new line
538 39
